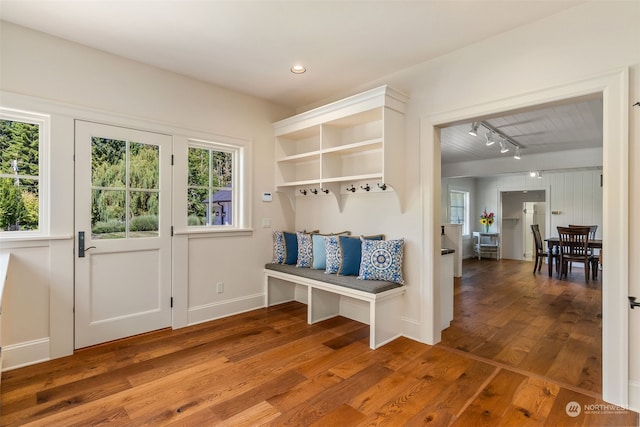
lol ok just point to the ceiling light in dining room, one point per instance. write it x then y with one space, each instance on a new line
298 69
474 129
517 154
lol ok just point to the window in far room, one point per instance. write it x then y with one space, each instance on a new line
22 163
212 193
459 209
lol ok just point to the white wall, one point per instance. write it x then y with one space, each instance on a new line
576 195
46 74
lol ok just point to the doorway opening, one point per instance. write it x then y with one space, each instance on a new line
613 88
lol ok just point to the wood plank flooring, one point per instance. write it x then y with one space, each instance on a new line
535 323
268 367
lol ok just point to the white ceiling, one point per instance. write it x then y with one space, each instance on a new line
249 46
570 125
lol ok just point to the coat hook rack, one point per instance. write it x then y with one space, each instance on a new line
382 186
313 190
366 187
324 190
351 188
304 192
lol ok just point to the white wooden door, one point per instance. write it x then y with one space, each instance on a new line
122 212
528 209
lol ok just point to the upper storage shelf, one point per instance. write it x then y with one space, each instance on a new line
357 138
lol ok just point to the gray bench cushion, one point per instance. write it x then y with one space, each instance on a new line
371 286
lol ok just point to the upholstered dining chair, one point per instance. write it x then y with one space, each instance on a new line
541 253
573 247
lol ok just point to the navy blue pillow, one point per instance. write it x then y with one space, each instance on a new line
351 251
291 248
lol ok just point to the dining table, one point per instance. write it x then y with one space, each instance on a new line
553 242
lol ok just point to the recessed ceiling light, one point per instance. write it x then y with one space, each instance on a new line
298 69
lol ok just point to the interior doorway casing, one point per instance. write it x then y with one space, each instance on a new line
502 191
614 87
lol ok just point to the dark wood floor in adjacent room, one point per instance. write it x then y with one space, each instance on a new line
535 323
268 367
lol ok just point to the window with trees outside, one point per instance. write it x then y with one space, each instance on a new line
22 142
458 209
211 194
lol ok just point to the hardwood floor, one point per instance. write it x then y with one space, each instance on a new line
535 323
268 367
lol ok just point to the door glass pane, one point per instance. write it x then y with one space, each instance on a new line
108 209
108 162
143 166
143 210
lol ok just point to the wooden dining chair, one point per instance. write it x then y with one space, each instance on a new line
541 253
594 258
573 247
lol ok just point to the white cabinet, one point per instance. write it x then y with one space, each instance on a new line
356 140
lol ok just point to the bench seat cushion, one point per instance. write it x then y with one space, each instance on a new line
371 286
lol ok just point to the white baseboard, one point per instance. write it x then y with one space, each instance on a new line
634 395
411 328
218 310
25 353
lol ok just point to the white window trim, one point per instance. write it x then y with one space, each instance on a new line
240 184
44 140
467 212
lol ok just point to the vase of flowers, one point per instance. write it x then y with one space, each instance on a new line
486 219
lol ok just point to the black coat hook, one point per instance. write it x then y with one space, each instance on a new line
366 187
382 186
324 190
351 188
637 104
314 190
304 192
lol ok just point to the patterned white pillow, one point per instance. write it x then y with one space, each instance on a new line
334 259
279 248
382 260
305 250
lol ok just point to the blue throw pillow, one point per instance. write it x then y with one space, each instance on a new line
291 248
351 253
319 261
382 260
319 245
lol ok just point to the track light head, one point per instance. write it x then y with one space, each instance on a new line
503 147
489 138
474 129
517 154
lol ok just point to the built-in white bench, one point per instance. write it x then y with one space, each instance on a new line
325 292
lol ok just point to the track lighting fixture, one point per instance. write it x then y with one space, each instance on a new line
503 147
535 174
517 154
493 135
489 137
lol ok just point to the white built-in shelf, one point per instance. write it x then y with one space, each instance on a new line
356 139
